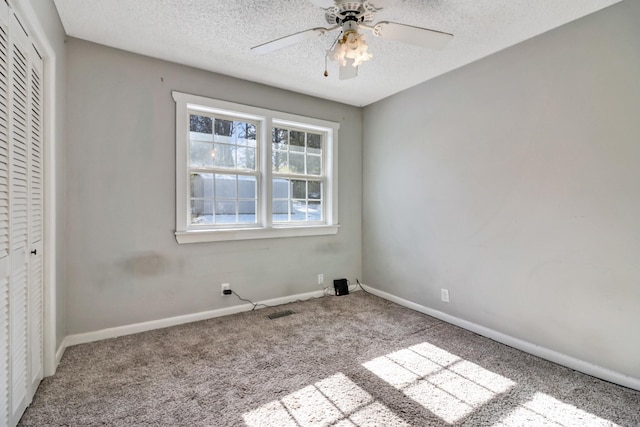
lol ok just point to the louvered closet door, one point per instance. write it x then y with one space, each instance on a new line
4 216
21 210
35 290
19 219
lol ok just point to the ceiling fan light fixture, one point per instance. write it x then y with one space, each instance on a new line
351 45
350 49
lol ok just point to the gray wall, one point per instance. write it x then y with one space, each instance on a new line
514 183
123 264
54 33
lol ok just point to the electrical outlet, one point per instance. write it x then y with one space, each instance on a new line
444 294
320 279
225 287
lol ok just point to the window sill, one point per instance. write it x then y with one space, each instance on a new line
200 236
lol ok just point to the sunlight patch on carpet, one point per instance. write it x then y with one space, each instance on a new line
445 384
545 410
453 388
333 401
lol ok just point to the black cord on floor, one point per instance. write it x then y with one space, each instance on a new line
356 286
361 287
254 304
326 294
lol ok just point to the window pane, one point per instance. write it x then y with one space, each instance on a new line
200 124
247 211
280 138
296 141
296 163
315 211
280 210
314 143
202 137
224 156
225 186
299 210
247 134
223 127
201 211
246 158
247 207
280 188
247 187
279 160
202 185
225 212
299 189
315 190
201 154
314 165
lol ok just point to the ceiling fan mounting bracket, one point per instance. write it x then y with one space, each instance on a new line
351 11
350 16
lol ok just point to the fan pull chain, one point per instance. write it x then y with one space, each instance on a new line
326 73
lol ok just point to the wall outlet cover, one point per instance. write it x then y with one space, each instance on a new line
225 287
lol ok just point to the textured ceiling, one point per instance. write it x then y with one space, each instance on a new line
216 35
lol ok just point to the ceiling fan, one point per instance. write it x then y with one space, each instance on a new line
350 48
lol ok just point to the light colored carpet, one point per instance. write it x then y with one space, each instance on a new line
350 360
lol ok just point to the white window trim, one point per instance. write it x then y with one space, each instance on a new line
266 118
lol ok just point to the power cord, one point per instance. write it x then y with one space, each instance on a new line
326 294
254 304
362 287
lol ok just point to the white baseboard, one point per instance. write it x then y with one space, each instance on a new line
60 353
536 350
135 328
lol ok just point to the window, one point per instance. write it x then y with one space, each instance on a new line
246 173
296 161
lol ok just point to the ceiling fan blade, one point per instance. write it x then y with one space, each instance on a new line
348 71
414 35
290 40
